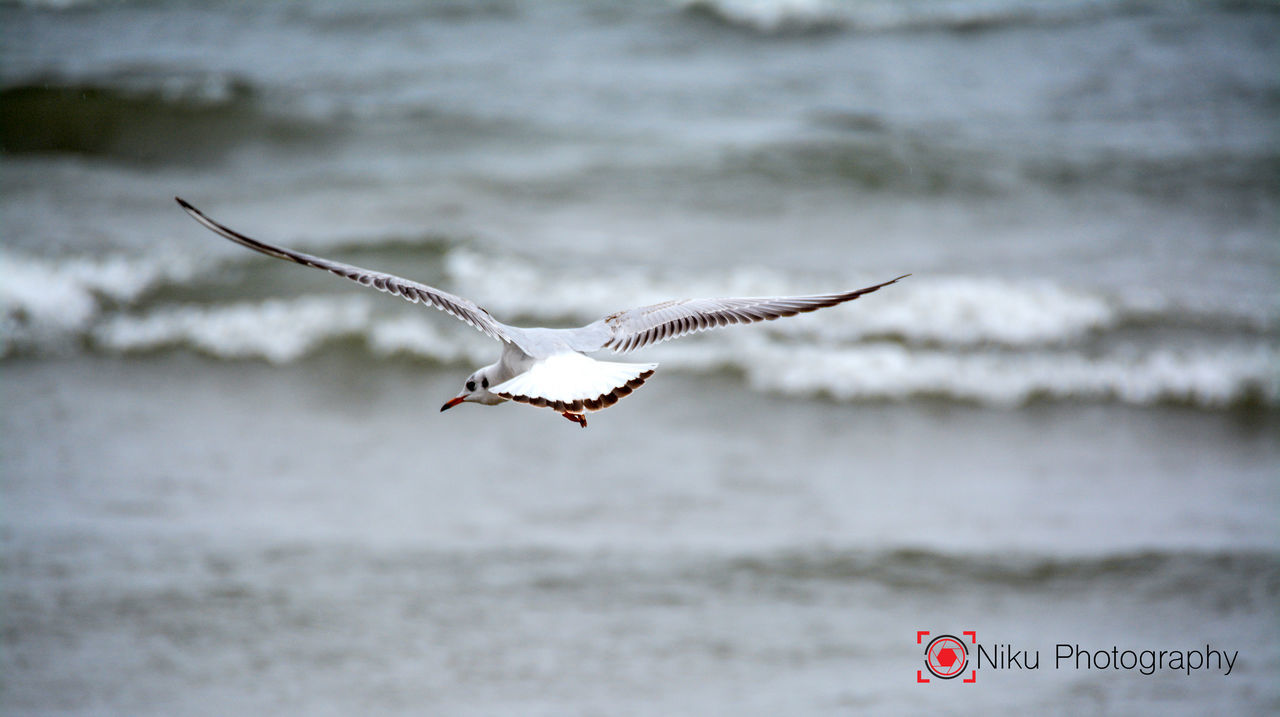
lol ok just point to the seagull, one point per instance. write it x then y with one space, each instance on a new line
549 367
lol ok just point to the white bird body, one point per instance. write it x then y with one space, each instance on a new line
549 367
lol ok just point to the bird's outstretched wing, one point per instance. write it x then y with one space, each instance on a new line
632 329
411 290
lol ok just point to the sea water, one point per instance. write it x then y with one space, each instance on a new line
226 485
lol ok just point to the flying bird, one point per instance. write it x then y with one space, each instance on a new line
550 367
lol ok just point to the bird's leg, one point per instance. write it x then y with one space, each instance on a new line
577 418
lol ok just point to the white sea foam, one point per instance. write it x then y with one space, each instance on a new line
277 330
50 303
994 341
770 16
418 335
284 330
774 16
959 311
1205 377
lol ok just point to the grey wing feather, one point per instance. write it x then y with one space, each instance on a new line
630 330
413 291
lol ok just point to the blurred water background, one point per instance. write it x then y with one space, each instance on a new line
226 487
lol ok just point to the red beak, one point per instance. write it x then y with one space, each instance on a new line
451 403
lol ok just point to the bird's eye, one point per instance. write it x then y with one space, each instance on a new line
485 383
471 385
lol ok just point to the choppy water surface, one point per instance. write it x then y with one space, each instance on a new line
226 485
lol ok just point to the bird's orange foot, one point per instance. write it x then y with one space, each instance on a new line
577 418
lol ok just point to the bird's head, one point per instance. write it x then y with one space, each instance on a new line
476 390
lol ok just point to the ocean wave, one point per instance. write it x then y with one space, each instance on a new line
51 4
899 161
1175 177
782 17
50 304
862 150
140 117
1217 377
1224 579
278 330
787 17
984 340
952 312
374 16
1241 576
283 331
956 311
769 16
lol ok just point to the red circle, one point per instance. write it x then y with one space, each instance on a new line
946 656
